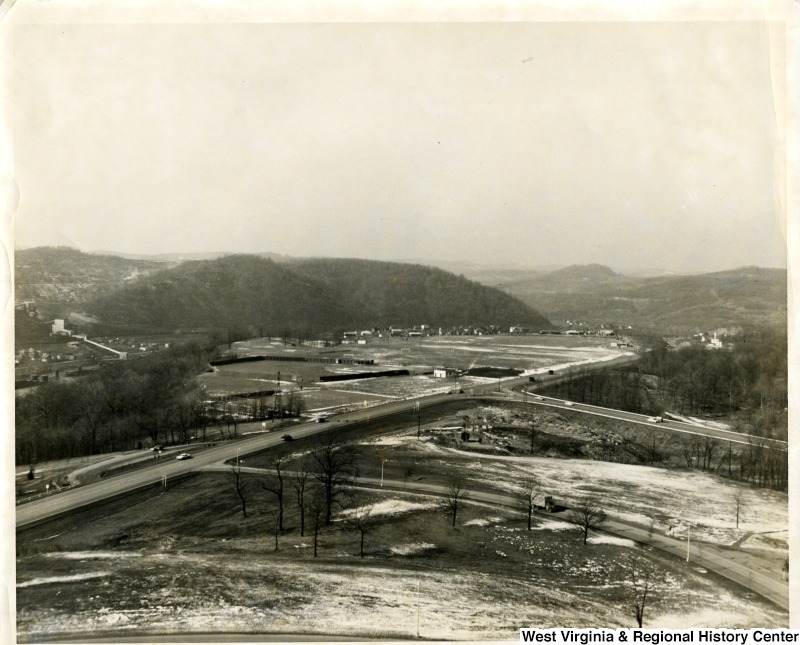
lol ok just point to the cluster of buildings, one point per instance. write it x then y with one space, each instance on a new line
417 331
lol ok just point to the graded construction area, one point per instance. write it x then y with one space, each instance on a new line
184 559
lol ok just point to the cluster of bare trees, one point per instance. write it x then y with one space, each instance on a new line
124 403
313 485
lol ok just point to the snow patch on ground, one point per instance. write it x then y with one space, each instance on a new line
483 522
553 525
53 579
611 539
93 555
412 549
389 507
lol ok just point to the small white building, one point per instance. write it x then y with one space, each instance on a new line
443 372
57 328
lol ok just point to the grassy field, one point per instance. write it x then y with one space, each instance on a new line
185 560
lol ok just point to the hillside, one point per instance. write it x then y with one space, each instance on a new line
668 304
251 292
56 276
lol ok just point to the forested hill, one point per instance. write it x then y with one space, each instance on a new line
749 296
405 294
310 296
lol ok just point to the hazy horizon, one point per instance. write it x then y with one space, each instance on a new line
636 145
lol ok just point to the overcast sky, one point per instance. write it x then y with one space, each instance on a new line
537 143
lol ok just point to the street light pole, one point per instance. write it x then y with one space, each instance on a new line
383 462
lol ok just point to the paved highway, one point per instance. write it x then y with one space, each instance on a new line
666 424
30 513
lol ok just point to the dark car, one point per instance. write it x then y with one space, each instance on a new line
287 437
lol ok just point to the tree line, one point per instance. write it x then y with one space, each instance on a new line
121 406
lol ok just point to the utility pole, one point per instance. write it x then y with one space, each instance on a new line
418 424
688 540
533 432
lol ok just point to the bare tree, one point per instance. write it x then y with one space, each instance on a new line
588 515
316 509
738 501
362 517
300 484
276 488
640 591
335 468
241 486
531 489
276 515
455 495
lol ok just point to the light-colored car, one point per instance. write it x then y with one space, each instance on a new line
655 419
184 455
568 403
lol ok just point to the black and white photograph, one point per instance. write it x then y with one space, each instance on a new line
350 321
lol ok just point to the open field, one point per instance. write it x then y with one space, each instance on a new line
668 500
527 353
183 560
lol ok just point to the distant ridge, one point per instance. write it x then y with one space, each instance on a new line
676 304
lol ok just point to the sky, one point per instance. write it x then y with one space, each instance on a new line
527 143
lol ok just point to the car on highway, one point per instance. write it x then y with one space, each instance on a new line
287 437
184 455
655 419
157 448
568 403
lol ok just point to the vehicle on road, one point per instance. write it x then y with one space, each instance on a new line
655 419
157 448
568 403
184 455
287 437
321 419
